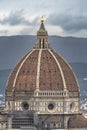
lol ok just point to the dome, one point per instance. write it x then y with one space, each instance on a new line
42 83
42 69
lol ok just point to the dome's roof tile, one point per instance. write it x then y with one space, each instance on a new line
77 121
25 73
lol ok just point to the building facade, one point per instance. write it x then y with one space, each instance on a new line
42 91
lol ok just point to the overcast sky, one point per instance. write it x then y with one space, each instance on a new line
62 17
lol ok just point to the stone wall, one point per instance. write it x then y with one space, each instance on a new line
78 129
52 129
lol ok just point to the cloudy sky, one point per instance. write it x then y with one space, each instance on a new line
62 17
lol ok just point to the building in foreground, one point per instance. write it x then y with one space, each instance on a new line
42 91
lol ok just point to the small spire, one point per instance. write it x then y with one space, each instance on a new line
42 23
42 37
42 19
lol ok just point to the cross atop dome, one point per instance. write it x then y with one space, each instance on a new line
42 19
42 24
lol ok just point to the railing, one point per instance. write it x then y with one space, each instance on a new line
51 94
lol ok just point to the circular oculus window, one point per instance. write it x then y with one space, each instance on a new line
51 106
25 105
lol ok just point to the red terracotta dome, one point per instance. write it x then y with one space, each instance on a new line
42 69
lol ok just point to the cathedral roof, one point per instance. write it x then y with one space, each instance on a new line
53 118
42 69
78 121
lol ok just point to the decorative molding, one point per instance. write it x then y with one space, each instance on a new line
20 68
61 71
38 70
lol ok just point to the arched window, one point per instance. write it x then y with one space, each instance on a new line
39 43
43 43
